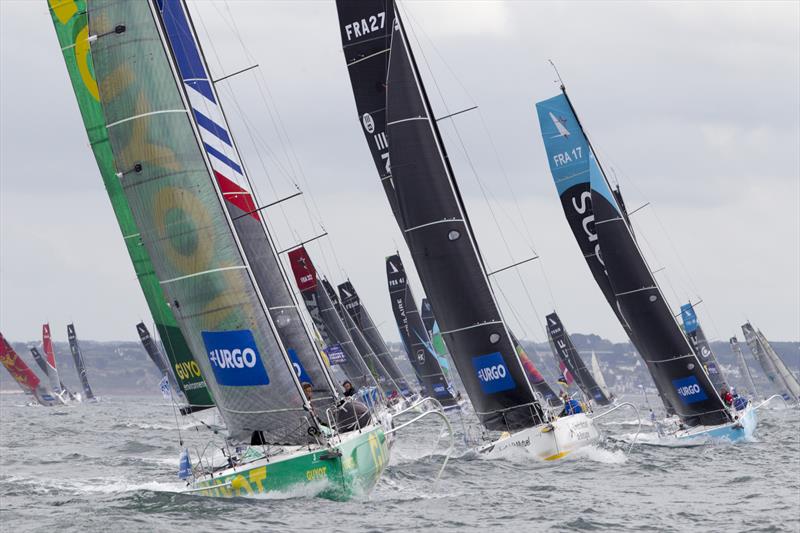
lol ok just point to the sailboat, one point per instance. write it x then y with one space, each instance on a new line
172 153
80 365
786 383
432 327
411 159
155 355
363 321
737 351
694 332
600 225
27 380
568 355
37 356
597 373
52 370
418 346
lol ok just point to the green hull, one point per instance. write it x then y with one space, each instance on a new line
329 475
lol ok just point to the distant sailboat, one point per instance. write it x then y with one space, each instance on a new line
150 346
80 365
571 359
601 227
599 378
52 371
27 380
737 351
776 370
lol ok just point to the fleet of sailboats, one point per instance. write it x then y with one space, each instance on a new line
305 385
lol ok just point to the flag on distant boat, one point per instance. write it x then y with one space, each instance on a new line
184 467
164 386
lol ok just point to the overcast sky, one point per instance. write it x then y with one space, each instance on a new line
694 106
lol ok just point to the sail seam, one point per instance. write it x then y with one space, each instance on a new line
494 322
433 223
406 120
202 273
608 220
134 117
635 290
367 57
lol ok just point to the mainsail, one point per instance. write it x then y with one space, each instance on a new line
156 356
620 269
433 218
569 356
701 346
358 313
737 351
339 346
420 350
80 366
27 380
71 19
164 166
791 381
50 359
231 176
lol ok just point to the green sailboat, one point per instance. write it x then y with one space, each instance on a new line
179 182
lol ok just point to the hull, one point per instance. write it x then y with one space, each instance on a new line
549 442
350 468
741 429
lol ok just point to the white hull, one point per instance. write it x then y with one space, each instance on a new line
549 442
740 429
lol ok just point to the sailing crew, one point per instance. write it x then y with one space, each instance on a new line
349 390
571 406
308 390
726 396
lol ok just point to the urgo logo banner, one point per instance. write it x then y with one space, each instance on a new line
689 390
493 374
234 358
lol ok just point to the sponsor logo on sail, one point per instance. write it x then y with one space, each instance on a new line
559 123
689 390
335 354
493 374
234 358
369 124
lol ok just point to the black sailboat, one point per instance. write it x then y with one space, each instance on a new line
80 366
155 355
568 355
361 318
618 266
415 337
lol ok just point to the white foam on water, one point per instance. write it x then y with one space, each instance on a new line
599 455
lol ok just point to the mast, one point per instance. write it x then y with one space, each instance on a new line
620 269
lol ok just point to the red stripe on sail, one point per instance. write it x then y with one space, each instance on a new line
47 345
304 274
236 195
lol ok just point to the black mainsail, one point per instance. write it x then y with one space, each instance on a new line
568 355
157 356
620 269
77 356
416 341
358 313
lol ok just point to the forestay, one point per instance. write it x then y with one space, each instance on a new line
170 186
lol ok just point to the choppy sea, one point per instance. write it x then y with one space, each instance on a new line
113 466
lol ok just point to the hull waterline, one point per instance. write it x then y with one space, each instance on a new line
549 442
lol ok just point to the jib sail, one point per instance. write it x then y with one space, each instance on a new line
80 365
433 218
620 269
774 368
569 356
737 351
420 350
178 204
358 313
71 18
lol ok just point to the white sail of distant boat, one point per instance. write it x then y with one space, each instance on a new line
789 379
598 375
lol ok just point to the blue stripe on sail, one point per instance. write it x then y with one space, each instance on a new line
187 54
212 127
222 157
567 148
